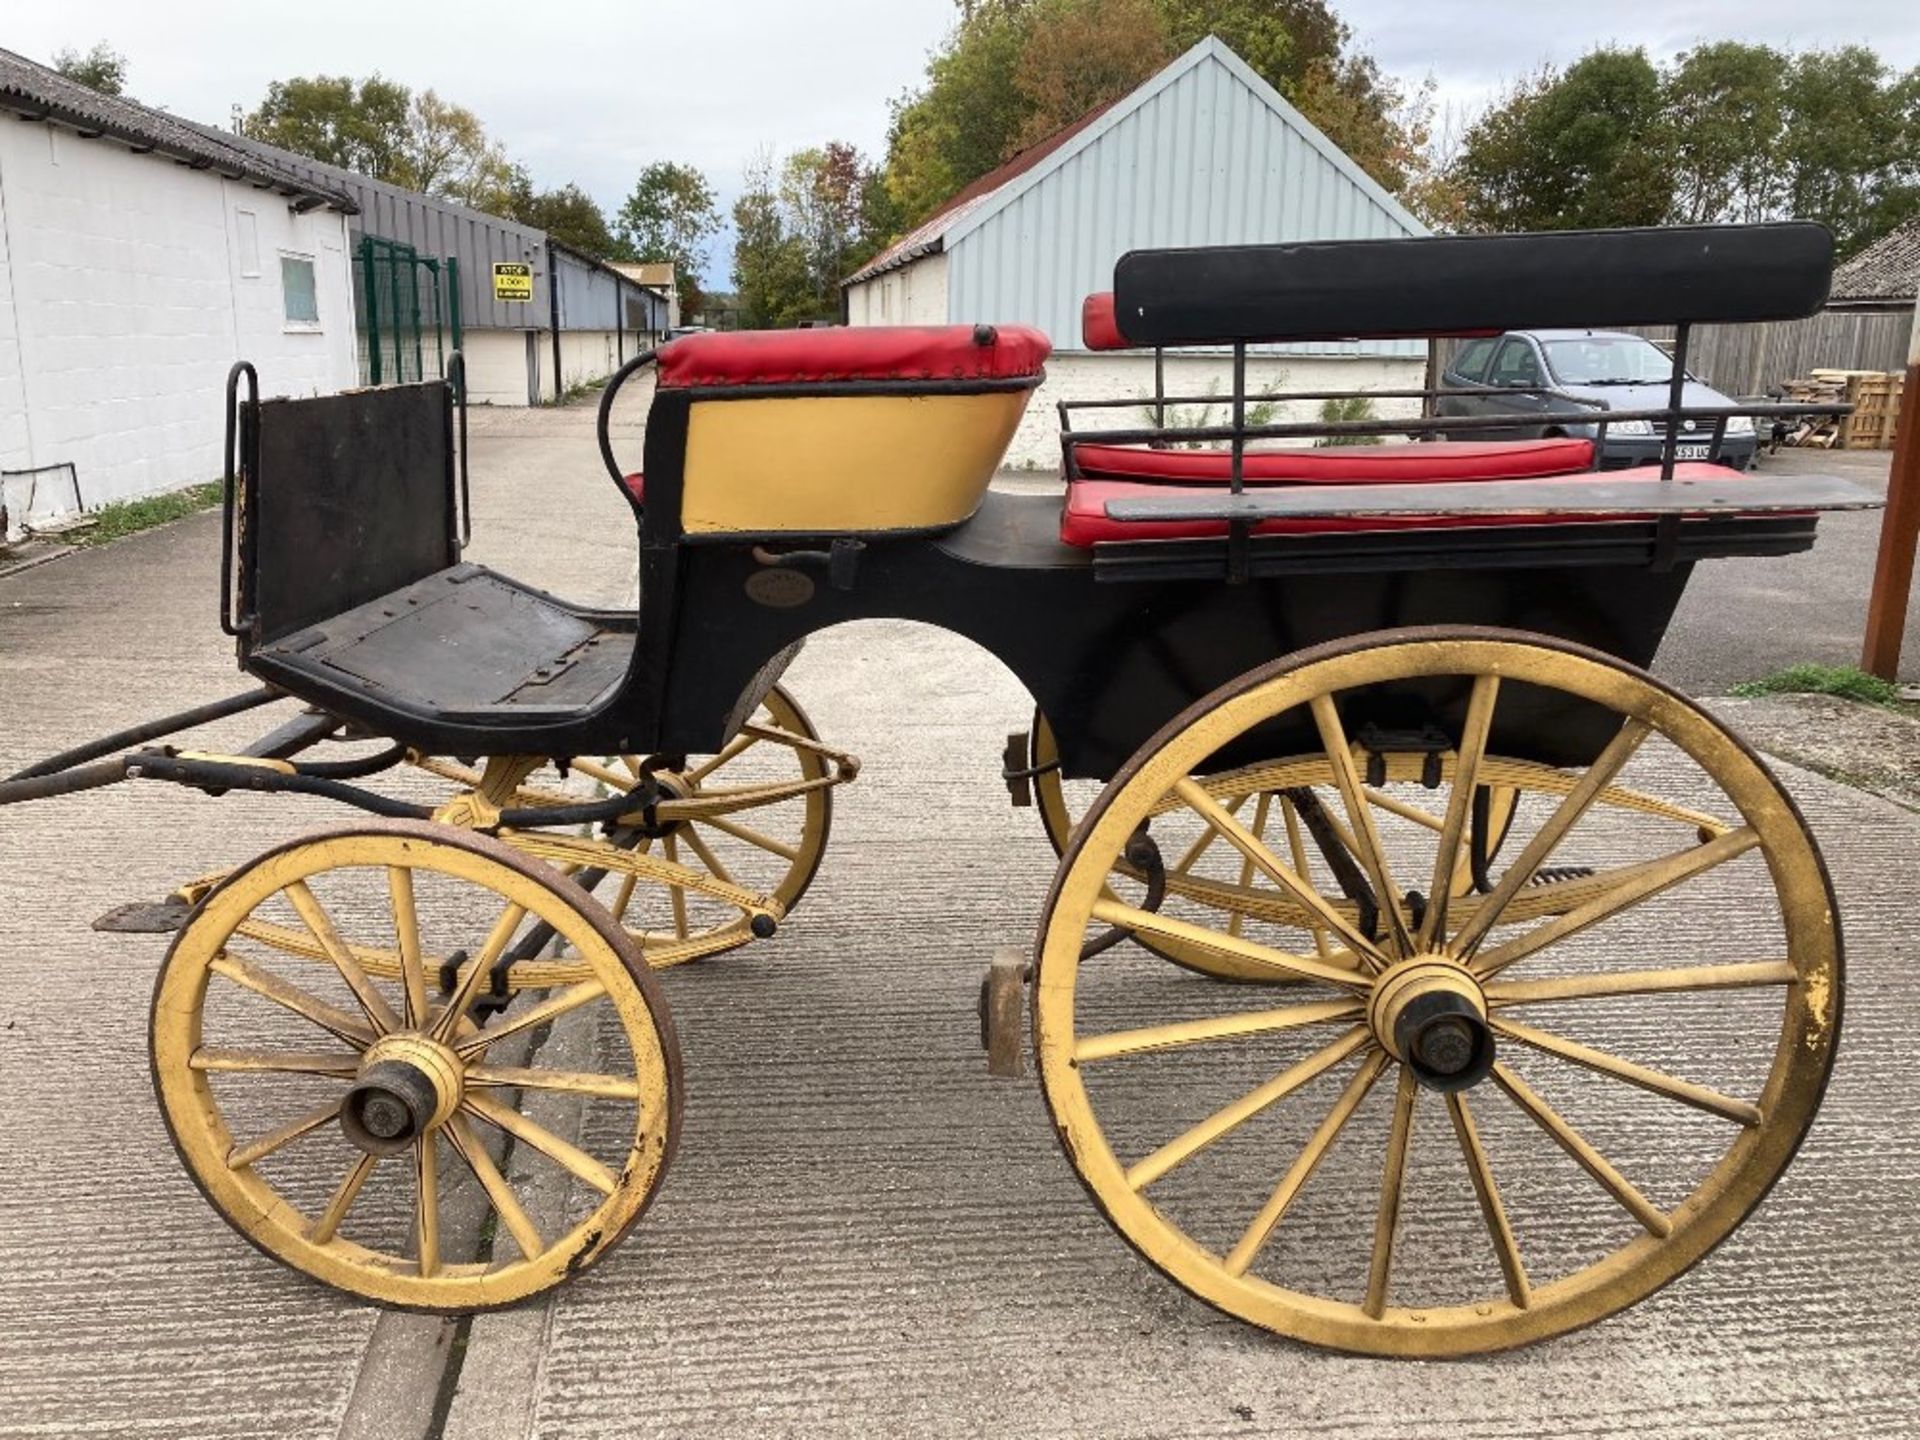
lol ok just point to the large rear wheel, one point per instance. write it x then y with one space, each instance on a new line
1520 1111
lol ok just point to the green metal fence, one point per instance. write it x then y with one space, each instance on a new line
408 308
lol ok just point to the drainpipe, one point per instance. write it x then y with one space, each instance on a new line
553 310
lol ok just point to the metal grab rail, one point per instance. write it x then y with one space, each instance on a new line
603 424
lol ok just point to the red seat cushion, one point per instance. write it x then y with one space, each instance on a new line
1084 522
1099 328
865 352
1406 464
636 487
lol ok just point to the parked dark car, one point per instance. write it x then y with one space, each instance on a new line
1565 375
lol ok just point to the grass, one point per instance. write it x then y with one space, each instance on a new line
578 391
130 517
1348 408
1846 681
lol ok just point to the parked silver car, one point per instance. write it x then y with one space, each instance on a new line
1566 375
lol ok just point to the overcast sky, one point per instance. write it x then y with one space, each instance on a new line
591 90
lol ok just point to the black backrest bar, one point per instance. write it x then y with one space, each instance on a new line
1472 284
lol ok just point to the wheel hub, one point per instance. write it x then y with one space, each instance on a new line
1430 1014
671 785
408 1086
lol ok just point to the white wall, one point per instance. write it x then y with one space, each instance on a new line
497 365
1083 376
131 289
915 294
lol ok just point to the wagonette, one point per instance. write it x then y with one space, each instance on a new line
1373 771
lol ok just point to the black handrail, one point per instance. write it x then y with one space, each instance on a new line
603 425
230 622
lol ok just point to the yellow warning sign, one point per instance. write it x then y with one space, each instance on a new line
512 280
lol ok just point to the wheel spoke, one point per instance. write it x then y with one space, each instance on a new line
1699 1096
320 923
1298 886
328 1224
289 996
505 1203
1505 1248
752 837
676 894
552 1008
1220 1027
616 782
1281 962
1591 1160
1259 832
705 852
1609 763
1466 770
1393 1179
241 1156
1242 1256
1333 739
1642 883
1185 1146
1747 976
337 1064
732 750
568 1156
426 1212
1207 836
608 1087
1386 802
406 930
1297 850
477 971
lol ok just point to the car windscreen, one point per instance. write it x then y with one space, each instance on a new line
1608 360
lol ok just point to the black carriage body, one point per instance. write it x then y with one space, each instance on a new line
1112 641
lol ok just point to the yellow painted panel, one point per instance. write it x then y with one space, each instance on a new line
844 463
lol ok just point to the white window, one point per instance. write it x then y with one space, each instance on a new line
298 291
246 235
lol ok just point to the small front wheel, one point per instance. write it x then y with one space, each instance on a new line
322 1067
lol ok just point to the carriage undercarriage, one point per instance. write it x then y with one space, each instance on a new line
1342 823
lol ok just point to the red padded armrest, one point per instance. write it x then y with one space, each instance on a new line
1099 327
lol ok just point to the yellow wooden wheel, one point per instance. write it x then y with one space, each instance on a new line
1206 880
369 1133
755 816
1484 1036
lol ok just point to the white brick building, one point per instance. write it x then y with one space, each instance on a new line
139 258
1203 153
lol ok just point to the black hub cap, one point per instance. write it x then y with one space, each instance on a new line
388 1107
1445 1041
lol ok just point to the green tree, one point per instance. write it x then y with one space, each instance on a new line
102 68
1081 54
1848 146
381 129
1573 150
359 125
969 116
771 274
671 216
568 214
1724 113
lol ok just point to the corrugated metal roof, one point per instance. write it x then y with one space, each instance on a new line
1205 153
33 90
1887 270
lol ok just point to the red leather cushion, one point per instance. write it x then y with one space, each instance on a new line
1083 519
866 352
636 487
1406 464
1099 329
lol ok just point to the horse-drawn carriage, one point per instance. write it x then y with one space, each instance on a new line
1373 769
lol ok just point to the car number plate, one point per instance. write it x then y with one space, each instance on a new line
1691 452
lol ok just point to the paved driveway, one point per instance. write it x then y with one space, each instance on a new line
863 1233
